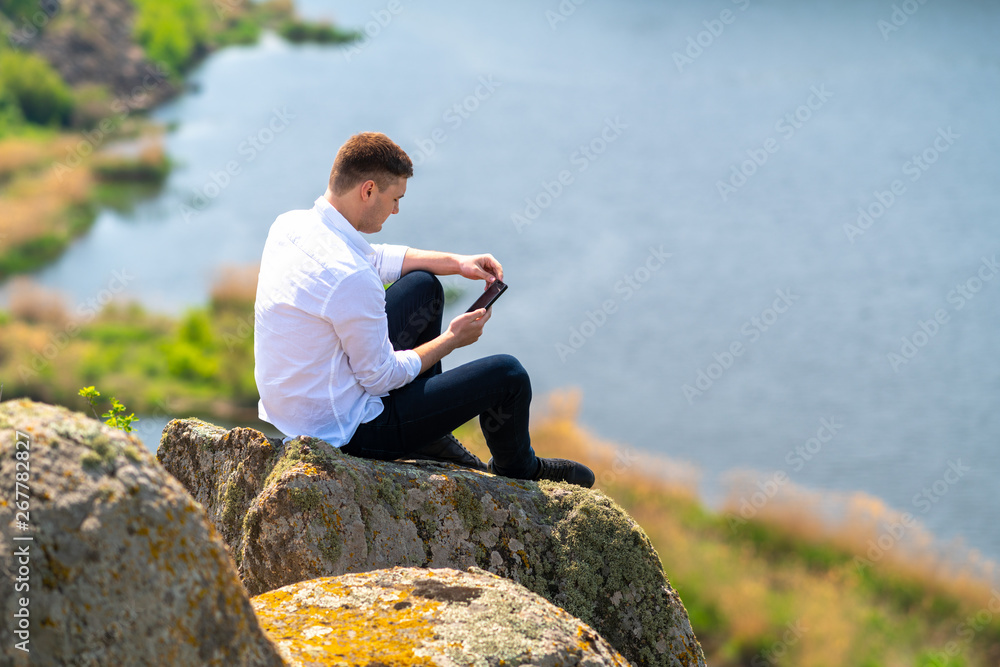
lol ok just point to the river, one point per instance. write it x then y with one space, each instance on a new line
757 235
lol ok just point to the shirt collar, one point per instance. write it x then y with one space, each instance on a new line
342 228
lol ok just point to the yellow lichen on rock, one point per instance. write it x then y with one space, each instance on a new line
406 617
326 622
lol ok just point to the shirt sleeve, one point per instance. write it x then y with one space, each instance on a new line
389 261
356 310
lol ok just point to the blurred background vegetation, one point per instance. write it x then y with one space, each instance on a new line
66 150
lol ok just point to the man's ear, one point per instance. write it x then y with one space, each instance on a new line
367 190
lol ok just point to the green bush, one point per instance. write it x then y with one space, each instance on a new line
196 328
322 33
241 31
189 362
30 83
173 32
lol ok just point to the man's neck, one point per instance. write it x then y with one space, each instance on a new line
341 206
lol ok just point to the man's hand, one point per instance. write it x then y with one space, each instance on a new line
463 330
468 327
480 267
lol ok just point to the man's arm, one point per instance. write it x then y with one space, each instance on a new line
474 267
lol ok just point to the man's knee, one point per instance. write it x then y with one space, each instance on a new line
511 370
424 281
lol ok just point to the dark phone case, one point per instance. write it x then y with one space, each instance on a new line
488 297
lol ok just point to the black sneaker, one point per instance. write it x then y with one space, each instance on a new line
559 470
448 449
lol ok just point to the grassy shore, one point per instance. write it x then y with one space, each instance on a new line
200 364
791 586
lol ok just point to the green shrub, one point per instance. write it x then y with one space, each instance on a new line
188 362
196 329
241 31
30 83
322 33
173 32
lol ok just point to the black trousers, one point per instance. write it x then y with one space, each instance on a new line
496 389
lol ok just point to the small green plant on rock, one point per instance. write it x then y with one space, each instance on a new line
115 417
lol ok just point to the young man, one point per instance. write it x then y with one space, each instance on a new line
341 358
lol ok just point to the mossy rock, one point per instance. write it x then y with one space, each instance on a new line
124 567
575 547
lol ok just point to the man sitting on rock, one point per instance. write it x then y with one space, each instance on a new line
341 358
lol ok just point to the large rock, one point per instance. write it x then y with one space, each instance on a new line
306 510
122 567
411 616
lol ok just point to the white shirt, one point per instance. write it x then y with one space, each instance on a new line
321 339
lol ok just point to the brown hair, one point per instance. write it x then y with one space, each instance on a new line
369 155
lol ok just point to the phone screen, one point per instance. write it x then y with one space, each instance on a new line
491 294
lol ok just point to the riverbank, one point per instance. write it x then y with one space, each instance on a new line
76 85
52 185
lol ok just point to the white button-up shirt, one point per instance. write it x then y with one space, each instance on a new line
321 339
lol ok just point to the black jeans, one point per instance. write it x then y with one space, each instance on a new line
496 389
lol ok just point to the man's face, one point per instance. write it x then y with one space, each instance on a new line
381 204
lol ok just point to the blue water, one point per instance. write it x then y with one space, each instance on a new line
836 114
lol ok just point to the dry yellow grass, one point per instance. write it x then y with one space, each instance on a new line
42 180
236 284
33 304
36 205
17 153
877 535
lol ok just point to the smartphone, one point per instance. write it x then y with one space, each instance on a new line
488 297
